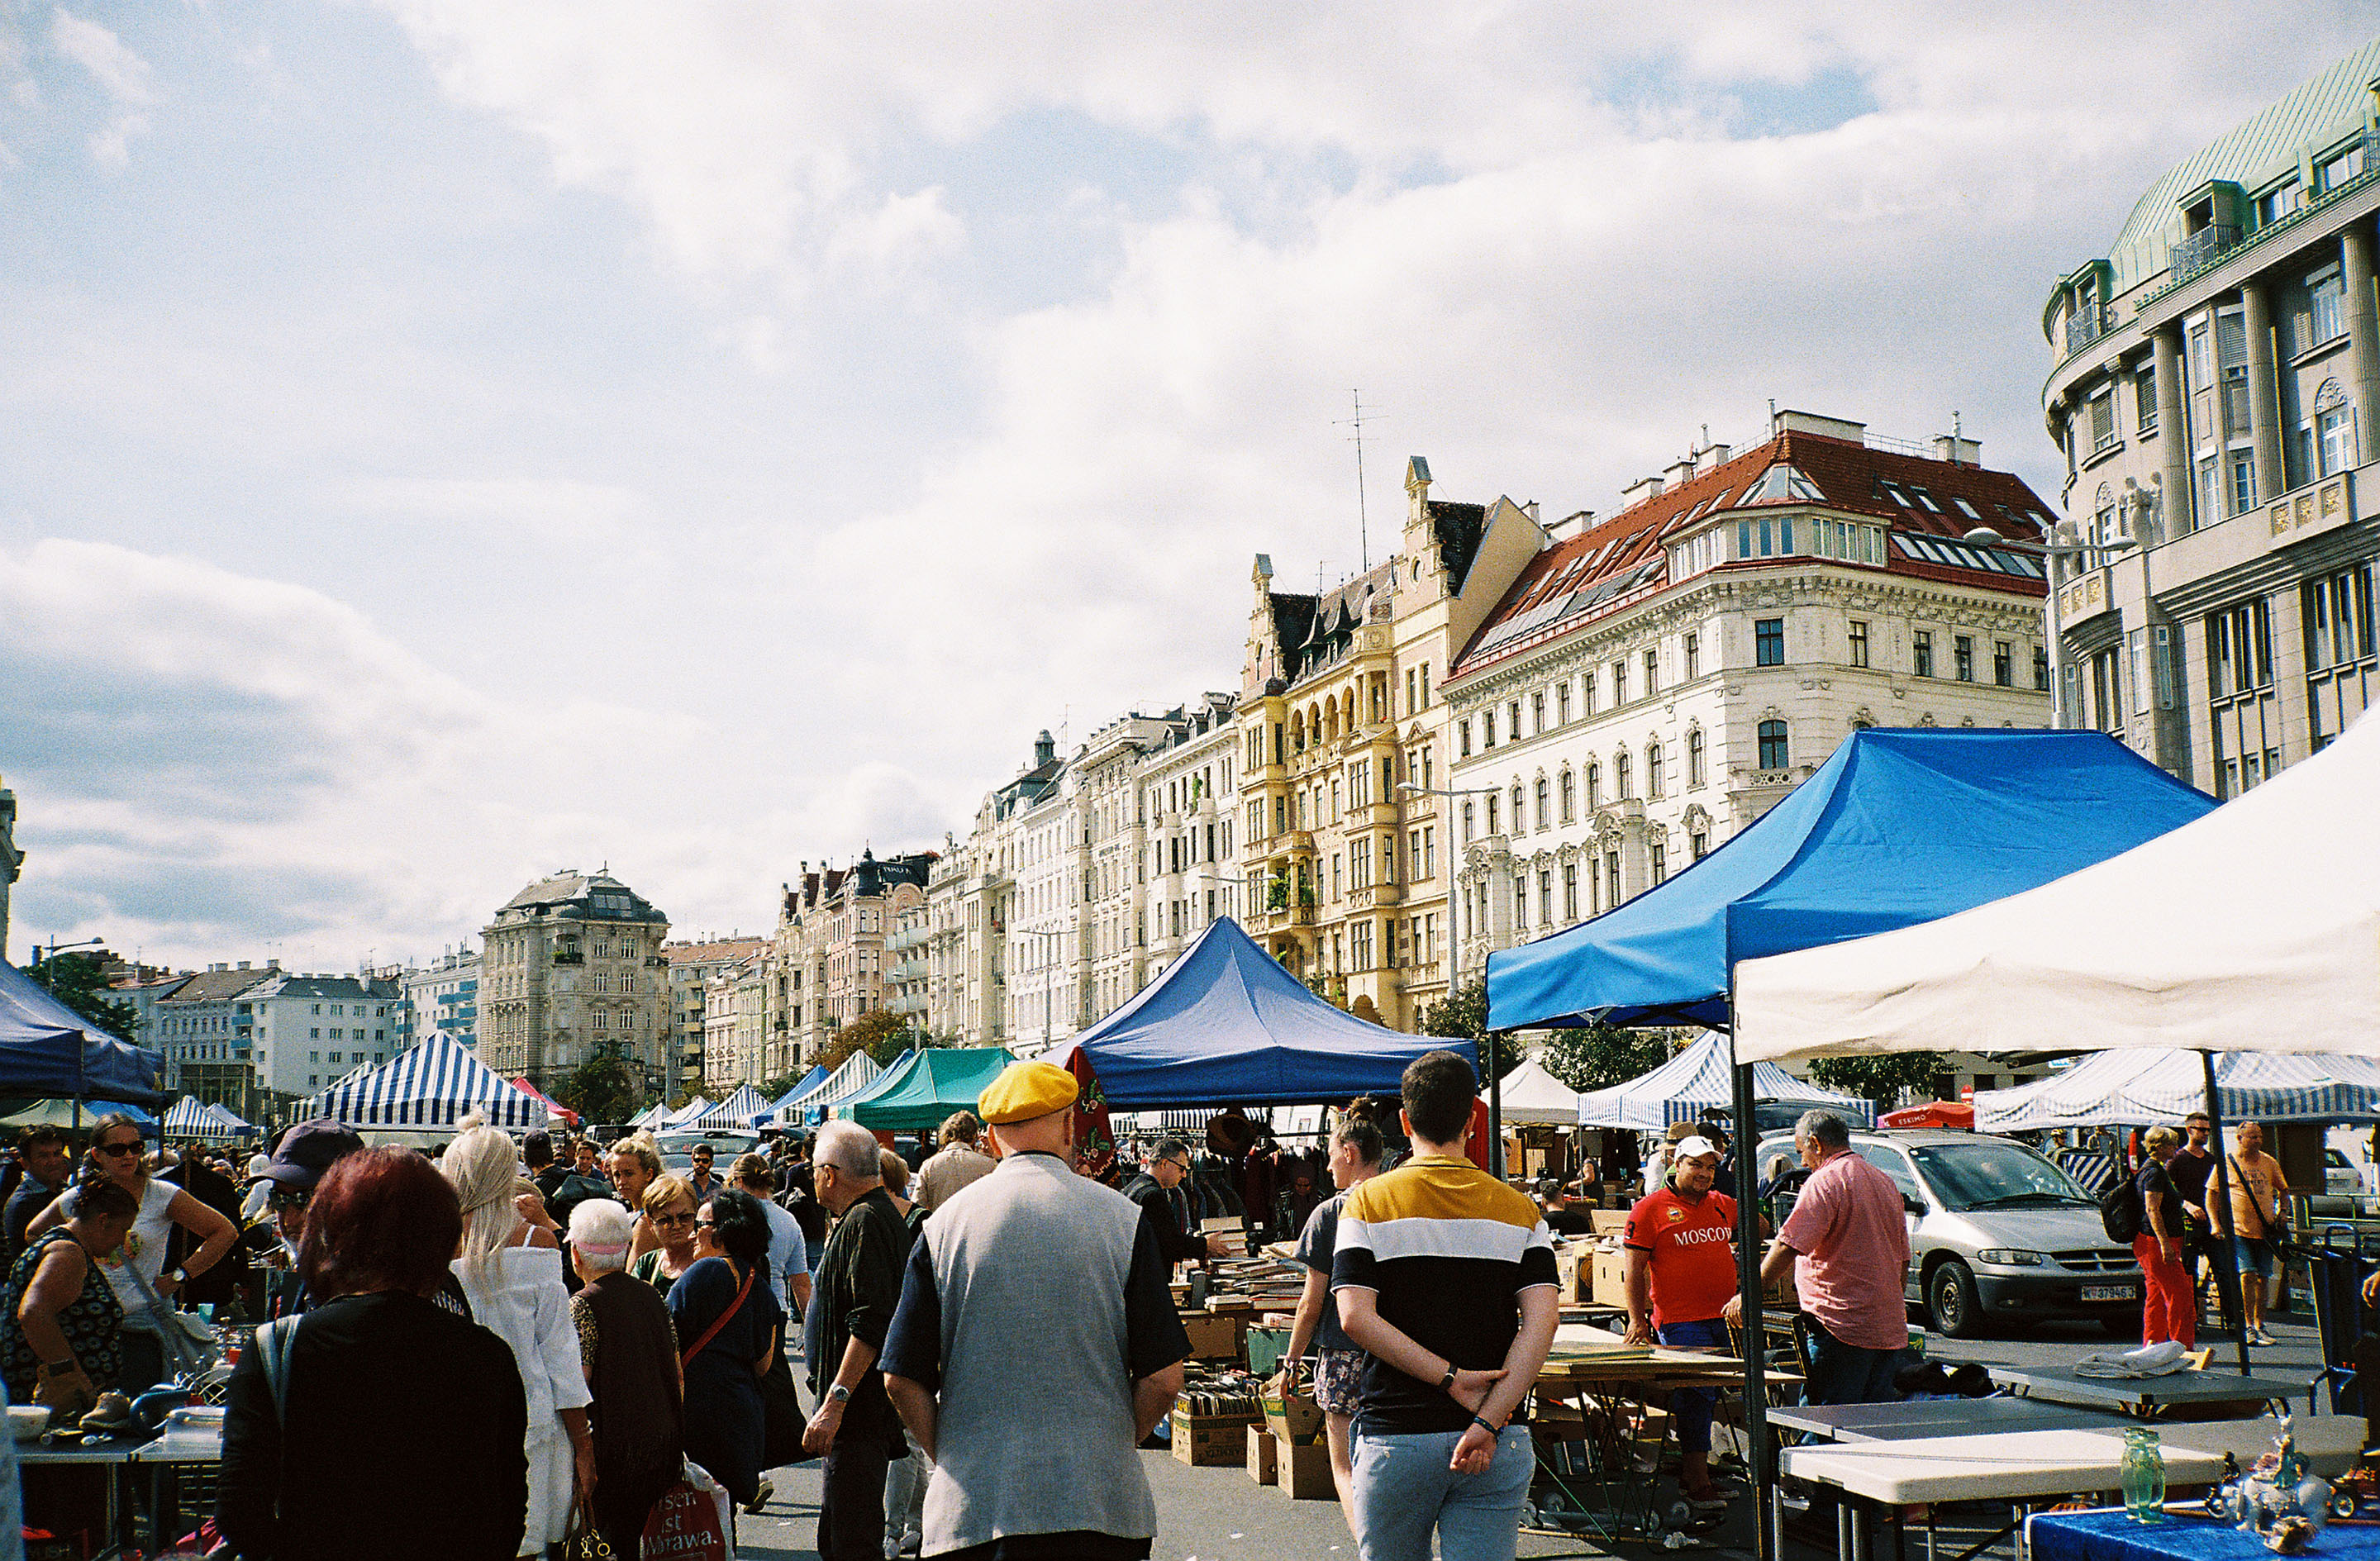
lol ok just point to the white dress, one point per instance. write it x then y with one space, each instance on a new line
519 1298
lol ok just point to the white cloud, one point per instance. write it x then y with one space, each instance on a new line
125 74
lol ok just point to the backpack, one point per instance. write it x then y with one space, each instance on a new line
2120 1214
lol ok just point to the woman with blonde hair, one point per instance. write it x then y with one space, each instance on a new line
670 1210
636 1165
510 1272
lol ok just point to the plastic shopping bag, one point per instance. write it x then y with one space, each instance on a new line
693 1521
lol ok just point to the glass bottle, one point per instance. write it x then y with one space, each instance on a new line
2143 1475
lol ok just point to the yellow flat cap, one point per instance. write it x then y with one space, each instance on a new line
1027 1090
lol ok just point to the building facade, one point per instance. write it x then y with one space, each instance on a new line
442 998
208 1037
1344 870
1654 682
829 964
571 968
683 1035
2215 382
310 1030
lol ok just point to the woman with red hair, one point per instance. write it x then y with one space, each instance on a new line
401 1428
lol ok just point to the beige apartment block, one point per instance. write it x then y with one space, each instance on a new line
1344 873
571 967
692 967
828 962
2213 387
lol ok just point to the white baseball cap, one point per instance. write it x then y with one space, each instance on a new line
1695 1147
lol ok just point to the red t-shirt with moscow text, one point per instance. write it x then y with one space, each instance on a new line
1692 1251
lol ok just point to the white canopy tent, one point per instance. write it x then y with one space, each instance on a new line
2253 928
738 1110
688 1113
1534 1097
1700 1078
2139 1086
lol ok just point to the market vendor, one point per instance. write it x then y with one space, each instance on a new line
1164 1208
1679 1274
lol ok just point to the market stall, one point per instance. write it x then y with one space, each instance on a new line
75 1114
1702 1078
1534 1097
190 1117
738 1110
2136 1088
553 1108
1931 1114
229 1118
918 1092
434 1085
857 1073
686 1114
809 1082
47 1049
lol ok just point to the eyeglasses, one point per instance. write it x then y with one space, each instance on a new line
121 1147
297 1199
675 1221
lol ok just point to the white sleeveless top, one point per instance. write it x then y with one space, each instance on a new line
144 1248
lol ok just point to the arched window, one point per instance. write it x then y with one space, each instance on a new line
1619 785
2333 431
1653 771
1467 820
1773 754
1545 800
1520 818
2103 515
1569 796
1593 786
1694 759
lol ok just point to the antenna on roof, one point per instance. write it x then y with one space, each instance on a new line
1363 521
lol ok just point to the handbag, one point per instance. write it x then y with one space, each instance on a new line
189 1344
692 1520
584 1542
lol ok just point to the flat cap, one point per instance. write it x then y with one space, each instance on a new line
1027 1090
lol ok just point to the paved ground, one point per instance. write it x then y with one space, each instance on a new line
1221 1514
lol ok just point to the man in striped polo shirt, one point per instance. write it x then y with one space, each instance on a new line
1445 1276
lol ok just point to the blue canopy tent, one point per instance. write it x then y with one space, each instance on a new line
809 1081
48 1049
1226 1025
1900 826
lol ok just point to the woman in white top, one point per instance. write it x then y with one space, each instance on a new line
138 1265
510 1272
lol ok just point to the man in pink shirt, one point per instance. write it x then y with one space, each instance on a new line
1848 1233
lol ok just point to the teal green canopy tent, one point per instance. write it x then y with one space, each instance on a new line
924 1087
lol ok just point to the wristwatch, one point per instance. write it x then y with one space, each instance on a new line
838 1394
180 1276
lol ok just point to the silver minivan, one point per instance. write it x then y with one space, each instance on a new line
1998 1235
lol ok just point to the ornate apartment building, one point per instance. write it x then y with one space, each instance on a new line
692 967
571 966
1654 681
1344 871
828 962
2215 380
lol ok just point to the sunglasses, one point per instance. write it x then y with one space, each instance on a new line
297 1199
122 1146
675 1221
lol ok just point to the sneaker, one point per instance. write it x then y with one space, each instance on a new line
1707 1499
2258 1336
759 1497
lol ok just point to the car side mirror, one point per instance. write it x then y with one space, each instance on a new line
1915 1206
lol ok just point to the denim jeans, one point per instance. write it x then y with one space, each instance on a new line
1693 1406
1403 1489
1846 1373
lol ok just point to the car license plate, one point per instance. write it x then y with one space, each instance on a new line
2111 1292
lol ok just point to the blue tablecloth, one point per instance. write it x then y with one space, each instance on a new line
2111 1536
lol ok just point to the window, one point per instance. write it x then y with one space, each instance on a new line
2338 619
2347 166
1520 812
2279 203
1768 642
2327 303
1561 703
1696 757
1512 725
1652 773
1545 897
1618 683
1652 673
2003 663
2238 650
1660 852
1487 730
1545 796
1594 785
1859 642
2041 668
1699 844
2144 396
1538 711
2243 482
1462 740
1693 655
1620 784
1570 892
1773 755
1586 693
1962 657
1467 821
2103 420
2108 692
2333 431
1494 815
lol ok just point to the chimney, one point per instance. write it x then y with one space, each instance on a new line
1679 473
1710 457
1959 450
1531 508
1636 492
243 965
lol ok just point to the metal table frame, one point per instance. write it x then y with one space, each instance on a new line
2144 1396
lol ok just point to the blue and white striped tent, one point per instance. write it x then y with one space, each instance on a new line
688 1113
737 1110
315 1109
229 1118
1698 1078
859 1071
435 1085
189 1119
2143 1086
651 1116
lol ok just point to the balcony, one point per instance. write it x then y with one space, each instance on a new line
1372 896
2202 249
2086 326
569 957
1289 917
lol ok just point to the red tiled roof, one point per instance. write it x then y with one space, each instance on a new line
705 953
1625 559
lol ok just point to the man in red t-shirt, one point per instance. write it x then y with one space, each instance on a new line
1680 1275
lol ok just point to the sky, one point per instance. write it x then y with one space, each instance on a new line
442 442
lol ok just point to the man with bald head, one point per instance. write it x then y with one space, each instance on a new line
1036 1345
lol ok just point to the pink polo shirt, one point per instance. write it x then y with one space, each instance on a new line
1849 1228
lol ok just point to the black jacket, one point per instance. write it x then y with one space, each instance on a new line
406 1439
1173 1243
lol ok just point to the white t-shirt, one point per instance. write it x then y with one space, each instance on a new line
785 1250
144 1247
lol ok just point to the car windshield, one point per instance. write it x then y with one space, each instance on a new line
1993 1173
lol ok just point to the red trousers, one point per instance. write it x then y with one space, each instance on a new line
2169 1311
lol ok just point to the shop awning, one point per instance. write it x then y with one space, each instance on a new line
2138 1086
1226 1025
1900 826
47 1049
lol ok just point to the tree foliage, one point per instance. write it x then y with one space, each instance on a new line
79 981
883 1035
1878 1078
601 1089
1599 1057
1464 1015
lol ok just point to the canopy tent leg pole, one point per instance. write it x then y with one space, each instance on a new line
1490 1049
1756 1331
2225 1262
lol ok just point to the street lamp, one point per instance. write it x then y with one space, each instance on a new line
39 957
1453 976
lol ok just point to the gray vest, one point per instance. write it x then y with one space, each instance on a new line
1035 1434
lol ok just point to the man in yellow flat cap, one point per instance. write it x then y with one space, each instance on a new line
1034 1279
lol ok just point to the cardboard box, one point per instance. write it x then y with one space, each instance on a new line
1212 1339
1566 1258
1205 1441
1610 1278
1264 1457
1294 1417
1305 1474
1608 1222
